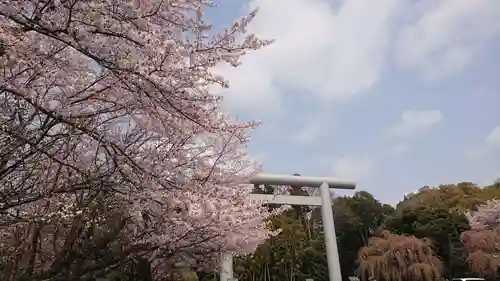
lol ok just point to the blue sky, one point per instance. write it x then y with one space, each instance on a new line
395 94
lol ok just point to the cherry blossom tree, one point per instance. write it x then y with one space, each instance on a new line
392 257
111 145
482 242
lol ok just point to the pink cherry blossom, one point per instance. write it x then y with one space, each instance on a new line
108 130
482 242
487 216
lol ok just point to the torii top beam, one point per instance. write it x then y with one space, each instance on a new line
273 179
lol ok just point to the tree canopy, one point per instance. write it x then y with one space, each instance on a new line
426 237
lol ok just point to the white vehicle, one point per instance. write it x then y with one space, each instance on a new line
468 279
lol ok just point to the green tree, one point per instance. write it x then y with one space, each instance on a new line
282 257
297 253
357 219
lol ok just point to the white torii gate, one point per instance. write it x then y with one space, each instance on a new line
324 200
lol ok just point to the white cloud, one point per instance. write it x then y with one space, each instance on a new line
447 35
491 143
352 168
400 148
335 53
251 88
330 53
414 122
313 128
307 133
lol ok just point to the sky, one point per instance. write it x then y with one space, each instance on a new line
394 94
